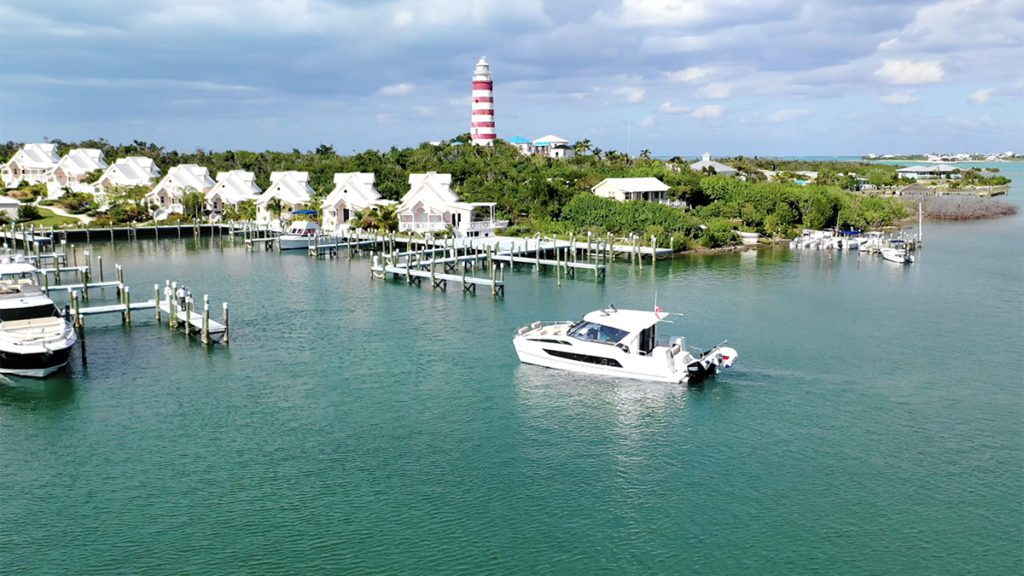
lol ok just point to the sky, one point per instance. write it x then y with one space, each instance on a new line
676 77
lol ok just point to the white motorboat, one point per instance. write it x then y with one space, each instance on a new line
298 235
748 238
36 338
620 343
897 255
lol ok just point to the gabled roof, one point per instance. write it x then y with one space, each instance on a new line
39 155
431 188
550 140
82 161
355 187
707 162
300 177
185 176
290 187
131 171
648 184
234 187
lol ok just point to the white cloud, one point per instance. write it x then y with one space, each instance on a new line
395 89
980 96
691 74
789 115
911 71
630 93
715 91
674 44
648 121
670 108
708 111
900 97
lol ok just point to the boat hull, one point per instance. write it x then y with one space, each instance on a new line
537 357
34 364
293 242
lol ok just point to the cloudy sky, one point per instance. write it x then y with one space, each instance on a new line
827 77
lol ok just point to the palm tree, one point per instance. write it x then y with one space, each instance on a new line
645 154
274 206
387 218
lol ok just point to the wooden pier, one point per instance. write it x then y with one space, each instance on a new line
416 272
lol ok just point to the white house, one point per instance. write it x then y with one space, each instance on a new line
9 206
73 169
166 197
130 171
231 189
524 145
353 192
623 189
290 188
706 162
32 164
553 146
928 172
431 206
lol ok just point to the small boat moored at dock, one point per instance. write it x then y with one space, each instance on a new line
298 235
618 343
36 338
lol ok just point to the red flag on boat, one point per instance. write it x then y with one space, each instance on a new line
657 311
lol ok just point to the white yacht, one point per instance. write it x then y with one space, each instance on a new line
298 235
897 255
36 338
618 343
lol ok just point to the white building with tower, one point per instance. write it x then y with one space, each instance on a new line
481 126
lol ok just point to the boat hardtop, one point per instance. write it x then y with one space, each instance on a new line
302 228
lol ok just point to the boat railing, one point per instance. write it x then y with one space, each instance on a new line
539 325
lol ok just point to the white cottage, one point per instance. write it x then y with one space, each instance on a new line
553 146
353 192
130 171
431 206
231 189
706 164
73 170
32 164
166 197
623 189
290 188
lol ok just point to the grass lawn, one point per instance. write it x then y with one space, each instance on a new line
48 218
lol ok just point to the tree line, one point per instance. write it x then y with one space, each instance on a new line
546 195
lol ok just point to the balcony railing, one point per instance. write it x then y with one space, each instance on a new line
486 224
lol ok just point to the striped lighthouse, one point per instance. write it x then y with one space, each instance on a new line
481 127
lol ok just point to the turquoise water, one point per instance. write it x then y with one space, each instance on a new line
872 426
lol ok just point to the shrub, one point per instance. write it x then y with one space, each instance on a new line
28 212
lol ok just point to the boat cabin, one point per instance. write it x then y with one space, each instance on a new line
629 330
302 228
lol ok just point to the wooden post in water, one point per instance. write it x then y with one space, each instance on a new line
99 262
188 317
156 301
80 326
654 249
172 306
128 304
206 319
558 267
224 317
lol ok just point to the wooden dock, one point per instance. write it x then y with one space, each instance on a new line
415 273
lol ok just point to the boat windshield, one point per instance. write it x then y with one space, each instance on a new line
593 332
28 312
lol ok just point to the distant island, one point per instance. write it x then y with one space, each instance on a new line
703 203
1008 156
